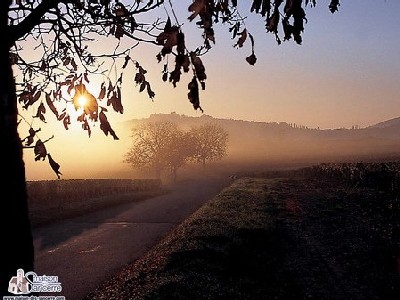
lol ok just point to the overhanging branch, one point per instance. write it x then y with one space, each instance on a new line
23 28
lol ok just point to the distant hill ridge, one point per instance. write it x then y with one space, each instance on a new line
389 123
190 120
184 119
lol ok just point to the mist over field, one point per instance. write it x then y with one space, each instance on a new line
286 144
251 145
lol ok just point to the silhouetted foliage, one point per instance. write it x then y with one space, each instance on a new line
62 33
55 166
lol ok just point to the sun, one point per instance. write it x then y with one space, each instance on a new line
82 101
85 103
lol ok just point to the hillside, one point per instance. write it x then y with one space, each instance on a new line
388 124
261 142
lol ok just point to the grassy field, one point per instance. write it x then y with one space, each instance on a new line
54 200
281 238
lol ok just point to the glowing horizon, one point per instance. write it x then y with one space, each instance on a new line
345 74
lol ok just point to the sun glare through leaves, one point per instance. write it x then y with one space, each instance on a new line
85 102
82 101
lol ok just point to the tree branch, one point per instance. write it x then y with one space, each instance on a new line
33 19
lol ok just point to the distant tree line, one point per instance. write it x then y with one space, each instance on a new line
162 146
297 126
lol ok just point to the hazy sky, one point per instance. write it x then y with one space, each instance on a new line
346 73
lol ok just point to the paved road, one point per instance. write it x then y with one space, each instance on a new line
85 251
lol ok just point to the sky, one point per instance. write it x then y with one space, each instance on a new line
345 73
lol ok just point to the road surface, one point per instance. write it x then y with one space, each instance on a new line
86 250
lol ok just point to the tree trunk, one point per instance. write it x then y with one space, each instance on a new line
204 163
15 228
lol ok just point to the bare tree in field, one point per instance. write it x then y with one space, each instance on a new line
64 57
210 142
158 146
180 151
150 141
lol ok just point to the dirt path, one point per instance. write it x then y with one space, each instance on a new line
86 250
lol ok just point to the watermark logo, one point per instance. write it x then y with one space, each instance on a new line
30 282
19 284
